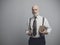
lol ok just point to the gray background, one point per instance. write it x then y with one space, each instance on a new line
14 15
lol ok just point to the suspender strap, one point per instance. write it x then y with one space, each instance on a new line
30 24
43 21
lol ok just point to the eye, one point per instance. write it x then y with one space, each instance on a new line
34 9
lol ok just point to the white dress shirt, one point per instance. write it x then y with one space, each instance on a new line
39 20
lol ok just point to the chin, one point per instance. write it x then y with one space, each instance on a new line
35 14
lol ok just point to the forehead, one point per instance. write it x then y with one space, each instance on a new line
35 7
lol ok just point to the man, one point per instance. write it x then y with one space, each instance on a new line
35 26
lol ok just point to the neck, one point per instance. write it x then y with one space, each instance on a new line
36 15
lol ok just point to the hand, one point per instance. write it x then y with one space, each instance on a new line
44 32
29 33
42 28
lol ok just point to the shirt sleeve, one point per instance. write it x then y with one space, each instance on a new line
28 26
46 23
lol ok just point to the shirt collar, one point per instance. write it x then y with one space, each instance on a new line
37 16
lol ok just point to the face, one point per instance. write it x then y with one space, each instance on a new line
35 10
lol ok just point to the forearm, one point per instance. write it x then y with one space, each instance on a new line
45 32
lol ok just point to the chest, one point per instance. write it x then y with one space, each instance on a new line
38 22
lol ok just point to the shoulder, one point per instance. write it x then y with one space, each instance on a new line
42 17
30 18
39 17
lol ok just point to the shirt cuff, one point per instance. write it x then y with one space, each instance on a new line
49 30
27 32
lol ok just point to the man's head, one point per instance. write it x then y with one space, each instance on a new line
35 10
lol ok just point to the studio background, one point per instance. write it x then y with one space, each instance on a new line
14 15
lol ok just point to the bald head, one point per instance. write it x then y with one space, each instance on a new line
35 10
35 6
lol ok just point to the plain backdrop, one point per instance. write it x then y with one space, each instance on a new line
13 20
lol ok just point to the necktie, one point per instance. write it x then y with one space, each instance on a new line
34 26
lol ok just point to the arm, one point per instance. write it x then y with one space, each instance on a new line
29 32
46 24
